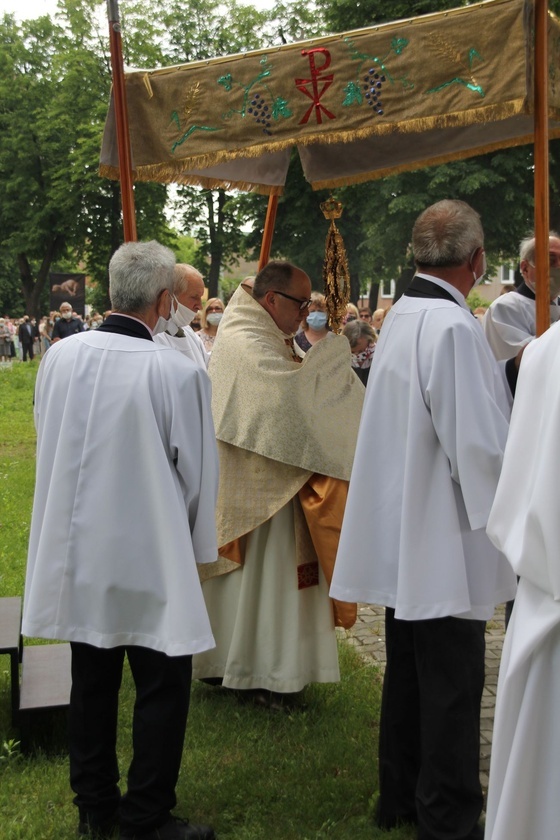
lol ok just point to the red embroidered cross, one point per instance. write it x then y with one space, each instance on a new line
316 76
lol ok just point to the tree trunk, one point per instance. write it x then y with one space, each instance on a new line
216 228
354 287
374 295
33 289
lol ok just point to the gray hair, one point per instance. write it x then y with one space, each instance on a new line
446 234
354 330
182 274
527 246
138 273
276 274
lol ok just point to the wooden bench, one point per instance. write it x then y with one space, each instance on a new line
46 679
44 696
11 644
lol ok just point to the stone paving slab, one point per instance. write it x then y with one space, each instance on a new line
368 637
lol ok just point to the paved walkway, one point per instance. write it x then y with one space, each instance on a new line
368 637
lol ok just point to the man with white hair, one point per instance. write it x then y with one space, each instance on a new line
67 325
188 290
510 320
427 464
123 512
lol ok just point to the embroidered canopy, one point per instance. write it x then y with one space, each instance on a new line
358 105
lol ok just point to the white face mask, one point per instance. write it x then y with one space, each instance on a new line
181 315
161 325
214 318
478 280
66 315
554 283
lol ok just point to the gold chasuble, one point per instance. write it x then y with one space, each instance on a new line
286 430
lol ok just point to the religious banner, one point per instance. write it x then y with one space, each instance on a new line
357 105
68 288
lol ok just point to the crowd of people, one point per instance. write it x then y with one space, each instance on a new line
252 492
24 338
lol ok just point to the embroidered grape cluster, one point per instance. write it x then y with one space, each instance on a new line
373 83
260 111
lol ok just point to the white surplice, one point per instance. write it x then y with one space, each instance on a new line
427 463
125 496
509 323
189 344
523 798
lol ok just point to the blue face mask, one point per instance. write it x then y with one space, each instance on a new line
316 320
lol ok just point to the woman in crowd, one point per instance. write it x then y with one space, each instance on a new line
315 324
45 333
5 341
210 321
352 313
378 318
362 338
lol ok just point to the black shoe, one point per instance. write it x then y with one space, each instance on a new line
274 700
175 829
102 831
212 680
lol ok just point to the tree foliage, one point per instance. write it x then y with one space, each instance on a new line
378 216
54 206
55 209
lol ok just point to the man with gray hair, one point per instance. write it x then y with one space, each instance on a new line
123 512
427 464
188 290
510 320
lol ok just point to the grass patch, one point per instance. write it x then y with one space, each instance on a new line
17 472
253 774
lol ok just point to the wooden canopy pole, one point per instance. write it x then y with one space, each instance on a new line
121 119
542 217
268 232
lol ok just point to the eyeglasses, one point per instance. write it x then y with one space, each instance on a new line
553 260
303 304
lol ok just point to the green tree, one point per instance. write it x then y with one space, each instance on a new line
343 15
499 186
32 224
54 206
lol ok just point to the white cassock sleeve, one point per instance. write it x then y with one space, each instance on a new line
525 522
468 405
192 421
509 324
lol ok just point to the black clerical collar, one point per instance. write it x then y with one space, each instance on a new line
123 325
421 287
523 289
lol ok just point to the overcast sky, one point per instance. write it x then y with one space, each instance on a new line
28 8
36 8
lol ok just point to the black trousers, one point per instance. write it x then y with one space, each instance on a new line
27 350
158 731
429 738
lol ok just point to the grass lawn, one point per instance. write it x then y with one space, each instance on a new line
251 773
